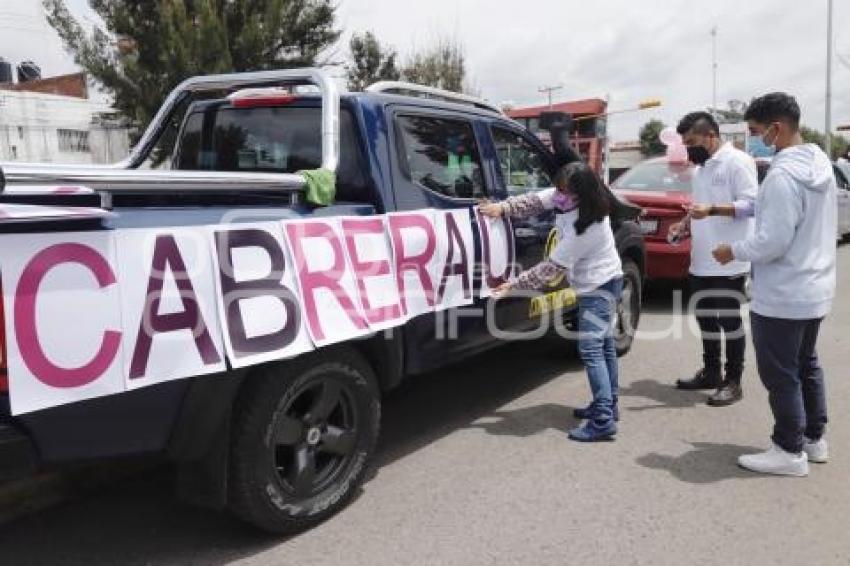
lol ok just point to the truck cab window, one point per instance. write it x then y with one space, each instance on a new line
287 139
523 166
441 154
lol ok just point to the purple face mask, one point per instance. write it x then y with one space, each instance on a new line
564 201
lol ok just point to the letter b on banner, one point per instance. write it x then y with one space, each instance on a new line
257 302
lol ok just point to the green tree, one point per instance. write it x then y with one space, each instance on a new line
442 66
840 144
650 145
733 113
370 62
144 49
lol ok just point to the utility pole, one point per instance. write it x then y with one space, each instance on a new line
548 91
607 148
714 70
828 113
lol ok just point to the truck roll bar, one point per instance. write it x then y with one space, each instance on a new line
422 91
126 177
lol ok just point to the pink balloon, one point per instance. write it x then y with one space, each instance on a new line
669 136
677 153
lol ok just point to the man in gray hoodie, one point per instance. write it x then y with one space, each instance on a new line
793 268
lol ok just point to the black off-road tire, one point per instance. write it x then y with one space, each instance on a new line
265 486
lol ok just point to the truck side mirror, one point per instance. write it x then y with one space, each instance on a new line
551 119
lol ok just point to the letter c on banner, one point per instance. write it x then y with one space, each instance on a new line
26 330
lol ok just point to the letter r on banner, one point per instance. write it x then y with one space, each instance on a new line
414 242
327 285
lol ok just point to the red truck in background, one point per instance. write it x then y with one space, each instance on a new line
586 137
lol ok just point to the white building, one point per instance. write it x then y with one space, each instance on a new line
52 128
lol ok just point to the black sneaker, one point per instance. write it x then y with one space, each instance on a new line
728 394
704 379
588 412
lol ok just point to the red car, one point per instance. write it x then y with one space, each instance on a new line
663 190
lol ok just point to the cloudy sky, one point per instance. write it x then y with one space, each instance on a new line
628 49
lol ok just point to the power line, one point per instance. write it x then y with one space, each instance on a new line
548 91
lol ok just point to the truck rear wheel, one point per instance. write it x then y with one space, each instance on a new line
304 433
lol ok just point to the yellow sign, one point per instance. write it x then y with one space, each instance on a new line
551 242
553 301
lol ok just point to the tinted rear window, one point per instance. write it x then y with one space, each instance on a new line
276 139
657 176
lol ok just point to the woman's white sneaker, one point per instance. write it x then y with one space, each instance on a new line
816 451
776 461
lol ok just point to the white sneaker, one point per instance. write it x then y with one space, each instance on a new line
776 461
817 452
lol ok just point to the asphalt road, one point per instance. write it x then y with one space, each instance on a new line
475 468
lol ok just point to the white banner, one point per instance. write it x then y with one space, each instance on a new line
63 318
371 260
167 288
417 262
325 281
257 294
456 253
498 251
103 312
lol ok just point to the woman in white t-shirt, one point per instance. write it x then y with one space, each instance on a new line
587 255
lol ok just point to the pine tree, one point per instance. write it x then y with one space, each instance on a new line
146 48
650 145
371 62
441 66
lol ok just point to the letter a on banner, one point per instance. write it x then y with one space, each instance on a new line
63 318
456 250
258 300
168 305
497 251
325 281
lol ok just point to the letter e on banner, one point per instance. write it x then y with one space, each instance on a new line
497 251
325 281
258 300
457 253
168 305
63 322
370 257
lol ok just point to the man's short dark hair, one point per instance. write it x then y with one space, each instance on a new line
774 107
698 123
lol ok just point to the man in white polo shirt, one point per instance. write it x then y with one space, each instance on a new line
724 174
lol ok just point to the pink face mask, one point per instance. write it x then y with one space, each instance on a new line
564 201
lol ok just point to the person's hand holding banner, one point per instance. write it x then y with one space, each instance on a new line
502 290
491 209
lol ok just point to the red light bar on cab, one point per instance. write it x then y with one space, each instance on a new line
258 97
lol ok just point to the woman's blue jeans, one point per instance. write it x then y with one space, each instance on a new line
596 345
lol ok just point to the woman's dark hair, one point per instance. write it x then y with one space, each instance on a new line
594 203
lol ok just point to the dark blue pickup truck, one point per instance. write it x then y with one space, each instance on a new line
284 445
